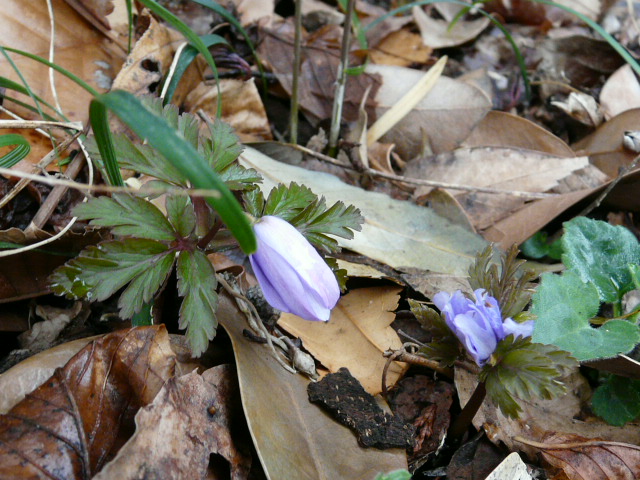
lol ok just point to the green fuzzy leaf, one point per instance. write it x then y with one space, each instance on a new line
181 214
519 369
127 216
197 284
617 400
100 271
564 305
601 254
538 246
287 202
224 146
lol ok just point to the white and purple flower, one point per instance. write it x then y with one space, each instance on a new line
478 325
293 276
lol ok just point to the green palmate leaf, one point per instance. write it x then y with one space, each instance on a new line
601 254
127 216
287 202
564 305
538 246
237 177
519 369
185 158
253 200
197 284
100 271
617 400
444 346
181 214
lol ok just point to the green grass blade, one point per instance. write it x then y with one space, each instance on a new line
11 85
185 158
187 56
21 150
99 117
129 4
56 67
193 38
361 33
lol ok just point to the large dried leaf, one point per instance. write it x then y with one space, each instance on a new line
443 119
502 129
68 427
587 459
621 92
78 47
294 438
438 33
188 420
355 337
505 169
399 234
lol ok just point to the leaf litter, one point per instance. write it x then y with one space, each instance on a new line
452 135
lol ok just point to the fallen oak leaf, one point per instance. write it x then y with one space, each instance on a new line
583 458
68 427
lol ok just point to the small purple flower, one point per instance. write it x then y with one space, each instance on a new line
478 325
293 277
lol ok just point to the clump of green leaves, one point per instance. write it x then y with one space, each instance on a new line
601 260
148 243
518 368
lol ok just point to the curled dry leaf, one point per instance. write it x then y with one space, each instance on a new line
188 420
583 458
68 427
401 48
356 337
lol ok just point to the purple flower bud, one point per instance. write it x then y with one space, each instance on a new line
478 325
293 277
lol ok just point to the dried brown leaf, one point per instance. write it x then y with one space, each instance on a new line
188 420
621 92
583 458
441 34
68 427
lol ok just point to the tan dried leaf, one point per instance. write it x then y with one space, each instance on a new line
355 337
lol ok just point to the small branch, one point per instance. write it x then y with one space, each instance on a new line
297 52
341 80
414 359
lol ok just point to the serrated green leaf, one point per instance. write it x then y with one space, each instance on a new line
237 177
340 273
197 284
127 216
253 202
520 369
287 202
601 254
564 305
100 271
444 346
181 214
617 400
224 146
142 288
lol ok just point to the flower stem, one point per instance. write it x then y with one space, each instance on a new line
460 425
204 241
297 53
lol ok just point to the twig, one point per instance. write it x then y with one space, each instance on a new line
19 123
295 81
341 80
428 183
413 359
